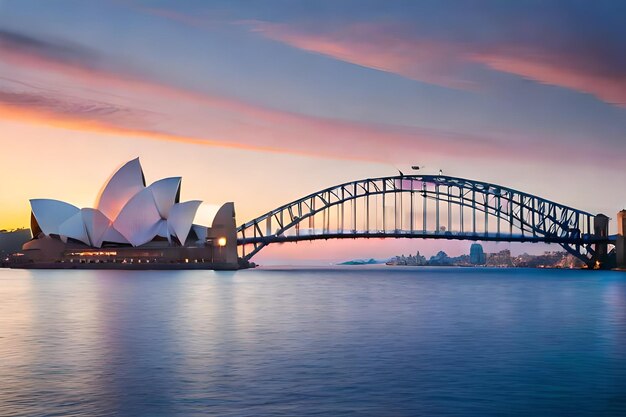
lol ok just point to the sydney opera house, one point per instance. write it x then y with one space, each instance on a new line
132 226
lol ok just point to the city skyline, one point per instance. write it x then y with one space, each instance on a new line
261 104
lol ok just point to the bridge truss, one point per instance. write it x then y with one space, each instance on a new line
424 206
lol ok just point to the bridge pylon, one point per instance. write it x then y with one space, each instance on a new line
620 243
601 249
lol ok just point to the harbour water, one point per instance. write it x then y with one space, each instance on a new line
349 341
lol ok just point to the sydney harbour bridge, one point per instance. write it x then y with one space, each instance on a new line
433 207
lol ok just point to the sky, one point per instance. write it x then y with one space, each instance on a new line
261 103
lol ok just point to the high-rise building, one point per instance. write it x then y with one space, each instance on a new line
477 255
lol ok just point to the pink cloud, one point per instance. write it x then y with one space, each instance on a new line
391 48
246 128
378 47
207 119
100 99
446 63
560 70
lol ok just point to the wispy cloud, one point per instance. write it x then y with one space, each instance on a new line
563 54
452 63
380 47
183 18
166 112
563 70
87 110
62 52
199 118
254 129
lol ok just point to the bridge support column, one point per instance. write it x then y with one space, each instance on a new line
600 229
620 244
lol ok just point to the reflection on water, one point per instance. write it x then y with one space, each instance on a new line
374 341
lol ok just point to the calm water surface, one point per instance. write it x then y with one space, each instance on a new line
360 341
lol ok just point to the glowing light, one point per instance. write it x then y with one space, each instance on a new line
221 241
101 253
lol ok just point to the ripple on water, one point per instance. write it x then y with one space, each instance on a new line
371 341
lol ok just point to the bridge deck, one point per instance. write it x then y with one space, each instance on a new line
492 237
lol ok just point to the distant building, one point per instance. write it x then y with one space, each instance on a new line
420 259
417 260
440 259
548 260
500 259
477 256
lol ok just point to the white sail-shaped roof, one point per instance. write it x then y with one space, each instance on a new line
162 228
127 212
166 193
111 235
181 218
74 227
163 231
121 187
50 214
139 219
96 225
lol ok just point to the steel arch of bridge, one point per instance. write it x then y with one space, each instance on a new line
404 207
